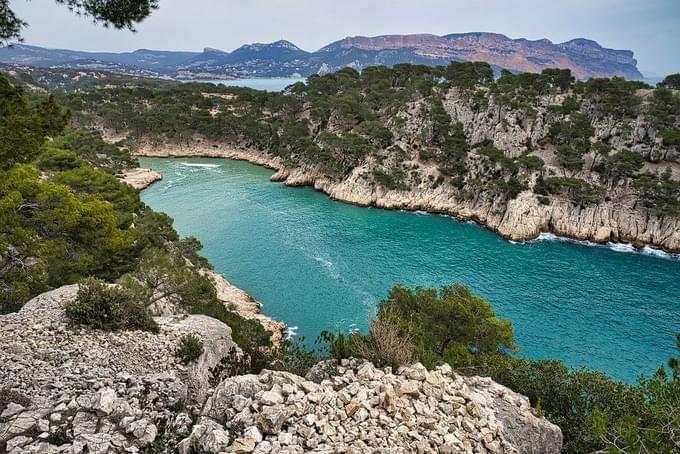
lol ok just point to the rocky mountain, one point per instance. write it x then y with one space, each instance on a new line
584 57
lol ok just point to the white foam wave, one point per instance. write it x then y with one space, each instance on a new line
193 164
616 247
421 213
326 263
291 331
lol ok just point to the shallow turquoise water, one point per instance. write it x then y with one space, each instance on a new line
319 264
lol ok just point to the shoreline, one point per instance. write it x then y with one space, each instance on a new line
245 305
140 178
509 224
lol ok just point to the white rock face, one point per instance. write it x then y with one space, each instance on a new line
245 305
140 178
105 392
365 409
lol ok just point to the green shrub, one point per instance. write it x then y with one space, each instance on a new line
56 159
659 193
576 189
109 308
190 348
383 345
623 164
531 162
671 81
671 137
392 179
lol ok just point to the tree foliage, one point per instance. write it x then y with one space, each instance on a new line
671 81
108 308
110 13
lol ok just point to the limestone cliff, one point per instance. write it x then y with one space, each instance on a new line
619 216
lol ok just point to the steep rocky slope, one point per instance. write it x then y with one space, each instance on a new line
74 390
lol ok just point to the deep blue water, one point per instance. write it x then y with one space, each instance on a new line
318 264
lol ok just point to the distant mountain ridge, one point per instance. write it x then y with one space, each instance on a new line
585 58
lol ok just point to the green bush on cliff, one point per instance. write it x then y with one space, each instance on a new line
659 193
671 137
671 81
448 325
575 189
615 96
531 162
623 164
190 348
108 308
25 127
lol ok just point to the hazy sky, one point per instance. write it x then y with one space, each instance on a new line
651 28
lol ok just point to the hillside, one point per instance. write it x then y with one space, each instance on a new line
585 58
522 155
119 338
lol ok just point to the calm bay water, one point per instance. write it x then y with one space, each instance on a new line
268 84
320 265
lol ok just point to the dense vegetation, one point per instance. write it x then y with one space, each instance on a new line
64 217
395 123
456 327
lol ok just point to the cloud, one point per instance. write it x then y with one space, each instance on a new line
648 28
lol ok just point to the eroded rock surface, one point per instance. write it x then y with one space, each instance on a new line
364 409
97 390
140 178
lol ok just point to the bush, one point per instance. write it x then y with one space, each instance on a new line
671 81
659 193
190 348
384 345
531 162
109 308
447 325
671 137
576 189
623 164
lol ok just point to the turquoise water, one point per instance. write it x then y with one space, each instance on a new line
318 264
268 84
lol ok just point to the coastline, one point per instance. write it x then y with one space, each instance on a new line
140 178
243 304
523 219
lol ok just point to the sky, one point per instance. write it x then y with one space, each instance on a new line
650 28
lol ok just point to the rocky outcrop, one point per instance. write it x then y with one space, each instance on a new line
95 391
520 219
70 389
140 178
245 305
361 408
619 217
